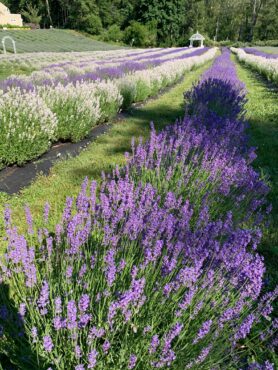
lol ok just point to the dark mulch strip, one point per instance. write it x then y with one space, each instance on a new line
14 178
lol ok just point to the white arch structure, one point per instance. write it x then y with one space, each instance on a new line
197 37
4 39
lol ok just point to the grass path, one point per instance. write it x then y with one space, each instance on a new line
13 70
262 115
101 155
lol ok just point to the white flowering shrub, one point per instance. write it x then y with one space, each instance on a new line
110 99
265 66
77 108
128 91
38 77
27 126
143 85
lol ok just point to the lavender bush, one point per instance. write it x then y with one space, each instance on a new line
28 126
127 275
80 107
154 268
110 99
77 109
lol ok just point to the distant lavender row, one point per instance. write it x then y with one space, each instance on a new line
126 63
218 89
129 67
224 71
36 61
266 66
146 54
156 268
125 67
260 53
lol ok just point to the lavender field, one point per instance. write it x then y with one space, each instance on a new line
44 107
158 264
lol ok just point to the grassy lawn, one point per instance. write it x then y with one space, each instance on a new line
29 41
268 49
101 155
12 70
262 114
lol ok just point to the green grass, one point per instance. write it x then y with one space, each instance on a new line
262 115
101 155
268 49
12 70
29 41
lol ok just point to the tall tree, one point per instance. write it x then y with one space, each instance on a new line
256 6
173 21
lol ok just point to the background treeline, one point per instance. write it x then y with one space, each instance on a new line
156 22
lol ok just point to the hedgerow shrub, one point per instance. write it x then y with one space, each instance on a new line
137 34
114 33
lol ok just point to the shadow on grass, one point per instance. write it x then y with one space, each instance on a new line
161 113
118 141
15 351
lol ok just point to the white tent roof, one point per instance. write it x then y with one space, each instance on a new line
197 36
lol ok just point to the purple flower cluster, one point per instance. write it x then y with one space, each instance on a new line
204 330
43 300
266 366
132 362
92 359
47 343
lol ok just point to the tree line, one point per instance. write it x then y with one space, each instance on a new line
156 22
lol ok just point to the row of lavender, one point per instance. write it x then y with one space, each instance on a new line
260 62
157 266
37 61
34 115
92 68
260 53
